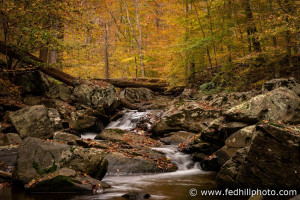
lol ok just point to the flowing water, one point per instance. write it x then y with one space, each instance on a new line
164 186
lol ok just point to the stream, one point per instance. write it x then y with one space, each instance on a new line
171 185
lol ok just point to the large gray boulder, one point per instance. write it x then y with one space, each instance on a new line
63 137
37 158
290 83
271 162
60 91
188 116
36 121
136 95
111 134
280 104
175 138
96 96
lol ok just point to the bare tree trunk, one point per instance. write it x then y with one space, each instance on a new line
140 46
138 41
106 55
251 28
44 54
204 36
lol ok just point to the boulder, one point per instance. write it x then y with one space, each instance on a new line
37 158
68 138
272 161
161 127
60 91
137 195
89 161
189 116
110 134
63 181
236 141
135 95
96 96
36 121
280 104
118 163
38 100
32 82
8 157
10 139
290 83
85 124
176 138
229 171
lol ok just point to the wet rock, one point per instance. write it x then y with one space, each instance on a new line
63 181
135 95
118 163
210 164
36 121
96 96
111 134
37 158
65 138
10 139
85 124
176 138
272 161
290 83
60 91
136 195
279 104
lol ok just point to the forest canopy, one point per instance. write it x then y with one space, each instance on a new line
187 42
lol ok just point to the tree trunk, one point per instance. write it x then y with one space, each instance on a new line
30 59
44 54
123 83
106 55
251 28
140 46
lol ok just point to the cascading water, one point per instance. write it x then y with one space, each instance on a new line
129 120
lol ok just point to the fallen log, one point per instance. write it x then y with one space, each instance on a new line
123 83
32 60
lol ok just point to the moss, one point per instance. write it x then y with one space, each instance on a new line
48 170
72 149
119 131
36 166
51 169
276 125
